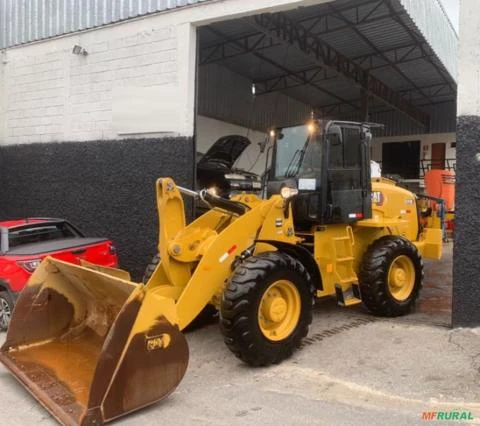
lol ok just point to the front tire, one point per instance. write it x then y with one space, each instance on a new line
266 308
6 309
391 276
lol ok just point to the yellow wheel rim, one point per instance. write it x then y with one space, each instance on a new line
401 278
279 310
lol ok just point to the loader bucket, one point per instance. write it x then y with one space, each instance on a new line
91 346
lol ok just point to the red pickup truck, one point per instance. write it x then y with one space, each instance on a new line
24 243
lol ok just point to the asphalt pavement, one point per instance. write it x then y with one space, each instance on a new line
353 369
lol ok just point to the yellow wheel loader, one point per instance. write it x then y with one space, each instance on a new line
91 345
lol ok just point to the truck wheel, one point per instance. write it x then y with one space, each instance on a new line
391 276
6 309
266 308
150 269
207 316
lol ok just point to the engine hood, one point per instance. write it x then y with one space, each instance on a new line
225 150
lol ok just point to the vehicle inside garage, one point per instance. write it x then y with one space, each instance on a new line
356 61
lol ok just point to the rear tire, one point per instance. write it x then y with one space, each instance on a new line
391 276
6 309
266 308
209 313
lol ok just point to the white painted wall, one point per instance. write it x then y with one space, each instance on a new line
469 54
3 101
127 79
138 78
210 130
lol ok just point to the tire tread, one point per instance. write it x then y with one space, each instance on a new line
236 310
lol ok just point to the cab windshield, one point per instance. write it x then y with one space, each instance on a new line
298 151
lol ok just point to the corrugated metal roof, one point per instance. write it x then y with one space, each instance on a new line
23 21
217 87
381 37
443 119
432 21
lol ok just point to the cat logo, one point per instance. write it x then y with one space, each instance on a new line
158 342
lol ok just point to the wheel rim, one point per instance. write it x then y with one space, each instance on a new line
401 278
279 310
5 314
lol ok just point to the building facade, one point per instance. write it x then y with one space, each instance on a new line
99 98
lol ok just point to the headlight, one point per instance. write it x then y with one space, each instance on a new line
213 191
29 265
286 192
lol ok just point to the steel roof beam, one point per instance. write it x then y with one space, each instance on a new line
258 42
416 38
294 74
219 51
337 110
333 110
279 27
383 56
359 20
234 47
435 90
283 82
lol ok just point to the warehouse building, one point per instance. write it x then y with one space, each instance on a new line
99 98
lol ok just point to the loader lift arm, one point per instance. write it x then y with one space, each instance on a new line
211 243
84 339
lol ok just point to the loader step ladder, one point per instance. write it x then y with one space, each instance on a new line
346 288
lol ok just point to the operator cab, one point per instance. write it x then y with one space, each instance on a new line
329 164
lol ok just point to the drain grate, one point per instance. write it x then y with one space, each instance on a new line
318 337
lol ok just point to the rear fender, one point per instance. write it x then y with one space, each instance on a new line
430 244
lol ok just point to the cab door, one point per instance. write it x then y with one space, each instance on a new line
348 189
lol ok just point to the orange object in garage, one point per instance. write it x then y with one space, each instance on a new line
441 184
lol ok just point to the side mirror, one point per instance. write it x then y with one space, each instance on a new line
366 136
335 135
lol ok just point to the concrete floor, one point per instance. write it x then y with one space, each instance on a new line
352 369
435 303
434 306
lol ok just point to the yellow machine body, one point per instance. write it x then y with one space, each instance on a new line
91 345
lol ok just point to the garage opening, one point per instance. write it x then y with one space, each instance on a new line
363 61
401 159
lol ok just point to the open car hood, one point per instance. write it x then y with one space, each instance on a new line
226 150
